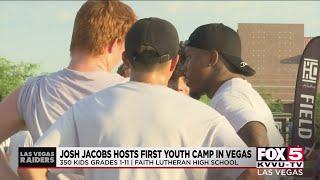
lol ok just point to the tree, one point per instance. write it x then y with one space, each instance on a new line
274 105
13 75
205 99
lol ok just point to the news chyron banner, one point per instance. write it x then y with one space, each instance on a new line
269 160
305 97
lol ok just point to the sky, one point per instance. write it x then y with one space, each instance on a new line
40 31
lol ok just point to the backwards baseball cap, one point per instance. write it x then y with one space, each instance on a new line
152 40
224 40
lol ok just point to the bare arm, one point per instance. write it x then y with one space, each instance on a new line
254 134
10 120
10 123
33 173
5 170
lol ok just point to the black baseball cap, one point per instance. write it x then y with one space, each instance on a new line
152 40
226 41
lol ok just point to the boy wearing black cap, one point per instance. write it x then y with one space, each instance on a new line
215 68
152 117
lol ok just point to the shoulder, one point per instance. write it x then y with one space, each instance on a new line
119 78
49 78
236 91
198 108
34 84
32 89
31 85
32 81
100 98
228 97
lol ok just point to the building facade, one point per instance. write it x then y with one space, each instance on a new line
274 51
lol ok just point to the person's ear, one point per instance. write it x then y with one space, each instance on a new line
174 63
214 58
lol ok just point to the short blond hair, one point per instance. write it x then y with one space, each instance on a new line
98 23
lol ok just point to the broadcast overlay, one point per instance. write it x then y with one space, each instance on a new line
280 159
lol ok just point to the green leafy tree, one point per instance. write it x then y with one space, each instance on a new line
205 99
274 105
13 75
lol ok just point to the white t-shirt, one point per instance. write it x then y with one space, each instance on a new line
136 114
44 99
240 104
20 139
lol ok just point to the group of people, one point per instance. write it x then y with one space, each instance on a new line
87 105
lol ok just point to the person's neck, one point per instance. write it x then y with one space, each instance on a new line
149 78
216 83
84 62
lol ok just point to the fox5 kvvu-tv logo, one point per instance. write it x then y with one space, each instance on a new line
280 160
